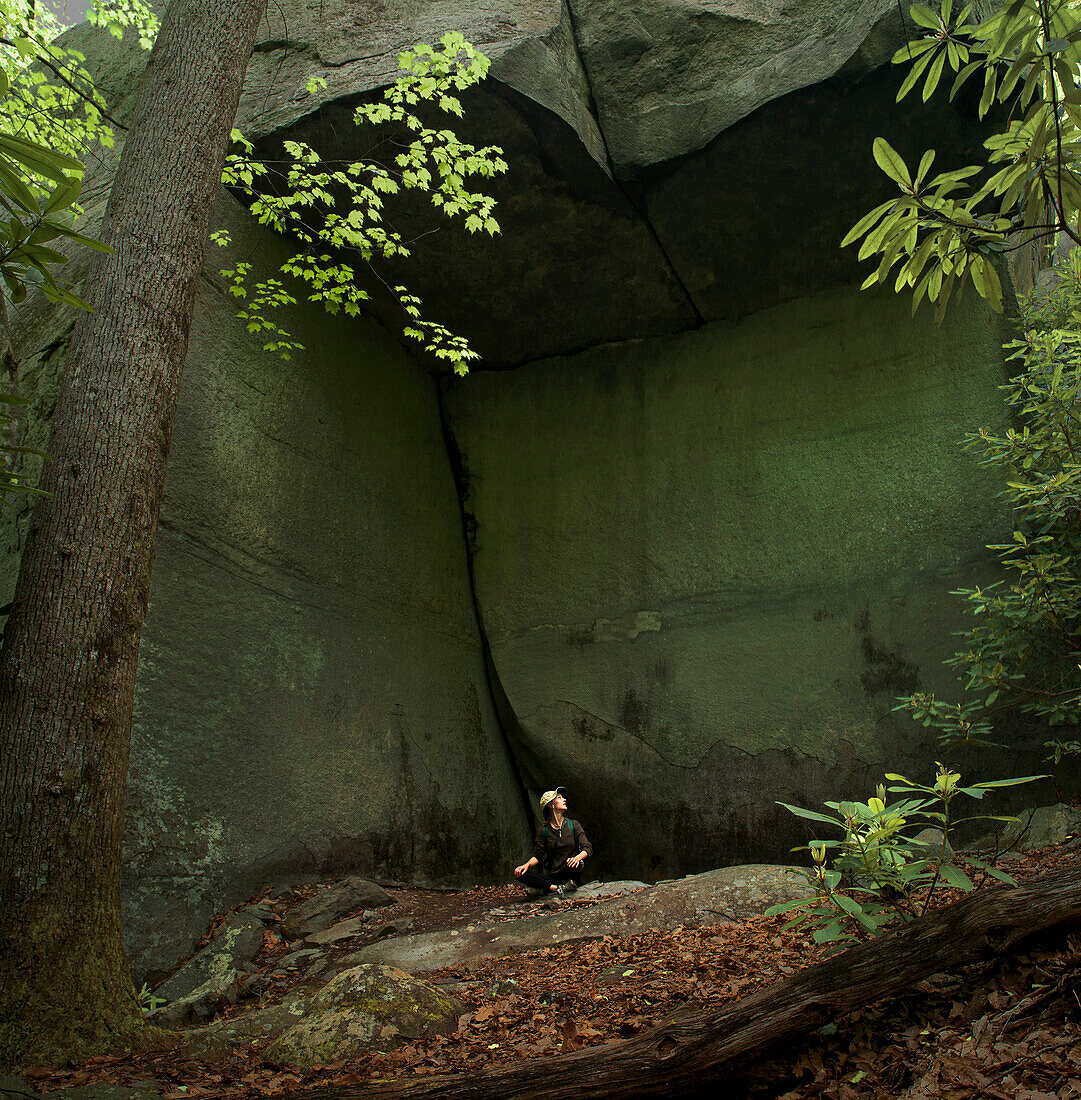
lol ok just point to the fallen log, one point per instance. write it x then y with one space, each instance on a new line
693 1052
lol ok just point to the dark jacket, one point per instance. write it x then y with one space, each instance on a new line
553 847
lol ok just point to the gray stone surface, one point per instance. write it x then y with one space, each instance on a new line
208 980
707 565
714 897
663 77
342 930
298 959
368 1007
669 75
1042 827
610 889
331 903
218 987
15 1088
930 840
220 1037
706 560
304 578
355 49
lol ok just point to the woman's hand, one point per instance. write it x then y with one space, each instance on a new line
576 861
519 871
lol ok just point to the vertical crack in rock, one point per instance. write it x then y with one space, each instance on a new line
595 112
700 319
504 713
593 109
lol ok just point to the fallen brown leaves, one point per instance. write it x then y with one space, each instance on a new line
527 1006
558 999
1009 1029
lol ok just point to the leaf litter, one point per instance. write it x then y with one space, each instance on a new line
1008 1028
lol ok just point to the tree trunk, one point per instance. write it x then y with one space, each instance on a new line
67 668
695 1053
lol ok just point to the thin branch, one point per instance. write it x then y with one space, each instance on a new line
48 63
1052 84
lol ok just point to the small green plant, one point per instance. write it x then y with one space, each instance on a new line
147 1001
1057 751
879 874
1020 652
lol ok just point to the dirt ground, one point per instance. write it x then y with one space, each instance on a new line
1007 1029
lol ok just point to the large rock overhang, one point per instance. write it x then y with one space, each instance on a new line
629 218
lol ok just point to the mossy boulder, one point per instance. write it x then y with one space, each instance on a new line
367 1008
208 980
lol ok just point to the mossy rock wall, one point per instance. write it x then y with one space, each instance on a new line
312 693
311 668
708 564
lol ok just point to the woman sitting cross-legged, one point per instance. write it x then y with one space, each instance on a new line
561 847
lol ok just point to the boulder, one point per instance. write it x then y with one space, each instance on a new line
209 980
930 841
331 904
340 930
689 552
396 927
1042 827
366 1008
262 913
257 984
669 75
298 960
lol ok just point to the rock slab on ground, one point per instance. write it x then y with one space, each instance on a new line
329 906
611 889
369 1007
728 894
1042 827
297 960
209 980
14 1088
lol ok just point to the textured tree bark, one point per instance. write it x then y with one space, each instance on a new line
695 1053
67 668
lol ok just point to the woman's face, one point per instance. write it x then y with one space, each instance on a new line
559 804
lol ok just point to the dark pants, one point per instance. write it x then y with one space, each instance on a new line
540 881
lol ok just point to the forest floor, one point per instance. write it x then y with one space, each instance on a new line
1009 1029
